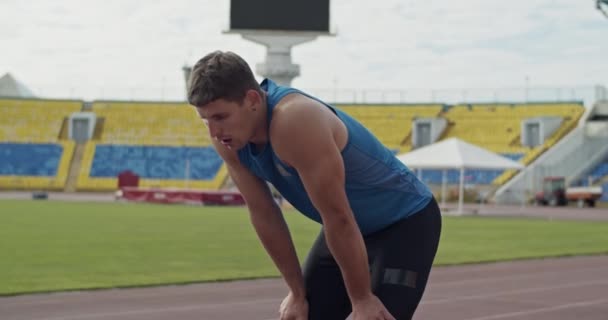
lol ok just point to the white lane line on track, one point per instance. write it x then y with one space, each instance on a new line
154 310
511 292
217 305
124 293
512 277
542 310
60 297
576 263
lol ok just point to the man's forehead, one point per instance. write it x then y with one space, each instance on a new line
214 107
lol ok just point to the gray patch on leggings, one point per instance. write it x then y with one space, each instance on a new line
400 277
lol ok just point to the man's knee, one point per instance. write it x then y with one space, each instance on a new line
401 301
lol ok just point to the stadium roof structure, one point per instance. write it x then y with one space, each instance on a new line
454 153
10 87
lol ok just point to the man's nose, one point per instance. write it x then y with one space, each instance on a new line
214 131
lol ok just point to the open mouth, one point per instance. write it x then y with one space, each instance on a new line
226 141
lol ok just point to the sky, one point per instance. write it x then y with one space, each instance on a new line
135 49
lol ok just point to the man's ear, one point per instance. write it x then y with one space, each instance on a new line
253 99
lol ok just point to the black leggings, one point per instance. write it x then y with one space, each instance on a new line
400 260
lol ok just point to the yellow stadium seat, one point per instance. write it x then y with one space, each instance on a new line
497 127
391 124
38 121
166 124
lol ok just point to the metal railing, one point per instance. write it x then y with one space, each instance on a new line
587 94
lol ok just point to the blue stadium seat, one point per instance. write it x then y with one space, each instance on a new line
600 171
30 159
155 162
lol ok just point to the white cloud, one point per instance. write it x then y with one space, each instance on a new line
131 48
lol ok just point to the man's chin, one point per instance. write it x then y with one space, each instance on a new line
237 146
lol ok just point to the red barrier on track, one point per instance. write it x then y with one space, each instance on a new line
205 197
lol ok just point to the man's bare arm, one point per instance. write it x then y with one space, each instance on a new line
304 136
267 220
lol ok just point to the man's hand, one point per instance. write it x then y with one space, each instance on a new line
293 308
370 308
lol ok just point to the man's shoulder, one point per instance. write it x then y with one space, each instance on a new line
296 116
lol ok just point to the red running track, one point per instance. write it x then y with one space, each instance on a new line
561 288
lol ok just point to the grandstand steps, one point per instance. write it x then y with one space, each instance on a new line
516 142
99 125
75 164
446 131
407 141
63 132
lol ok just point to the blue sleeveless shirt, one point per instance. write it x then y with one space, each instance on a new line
380 189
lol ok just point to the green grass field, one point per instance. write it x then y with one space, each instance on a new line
49 246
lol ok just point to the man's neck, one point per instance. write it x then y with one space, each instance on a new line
260 138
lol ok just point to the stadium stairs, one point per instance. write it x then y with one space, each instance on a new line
36 153
578 152
155 144
161 131
75 166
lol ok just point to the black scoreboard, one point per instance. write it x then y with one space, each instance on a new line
280 15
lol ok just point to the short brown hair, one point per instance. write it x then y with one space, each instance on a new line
220 75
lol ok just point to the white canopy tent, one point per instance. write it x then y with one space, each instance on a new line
454 153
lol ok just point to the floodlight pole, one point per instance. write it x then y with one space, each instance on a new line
187 71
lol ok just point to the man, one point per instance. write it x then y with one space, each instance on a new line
381 225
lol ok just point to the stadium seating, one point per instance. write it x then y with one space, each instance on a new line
391 124
157 166
32 154
151 124
153 140
35 165
600 171
569 112
497 127
595 176
493 128
471 176
133 128
34 120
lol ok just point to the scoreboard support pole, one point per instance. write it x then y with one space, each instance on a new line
278 65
